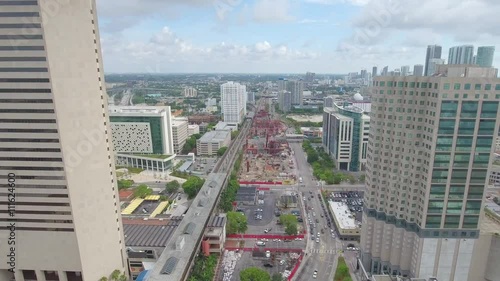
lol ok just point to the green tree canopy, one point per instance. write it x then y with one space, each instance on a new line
124 184
192 185
142 191
236 223
221 151
290 223
277 277
172 186
254 274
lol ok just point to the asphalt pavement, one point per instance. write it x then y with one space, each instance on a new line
320 256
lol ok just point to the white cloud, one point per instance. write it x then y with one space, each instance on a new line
272 11
120 15
311 21
169 51
333 2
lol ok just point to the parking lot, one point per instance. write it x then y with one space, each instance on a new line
353 199
265 213
270 262
203 165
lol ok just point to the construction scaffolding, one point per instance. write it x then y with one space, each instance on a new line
267 155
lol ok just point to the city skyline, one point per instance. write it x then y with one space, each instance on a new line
189 36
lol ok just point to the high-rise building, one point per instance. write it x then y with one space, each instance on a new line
251 97
432 67
179 133
142 129
190 92
385 71
296 87
418 70
364 74
282 84
461 55
374 71
345 135
310 77
56 157
485 55
405 70
427 168
433 52
233 102
329 101
285 101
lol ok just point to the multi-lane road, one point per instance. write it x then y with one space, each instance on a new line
320 256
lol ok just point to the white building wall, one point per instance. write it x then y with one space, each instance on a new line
233 102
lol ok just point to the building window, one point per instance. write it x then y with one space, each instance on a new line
467 86
477 87
446 86
456 86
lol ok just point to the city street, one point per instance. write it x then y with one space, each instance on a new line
320 256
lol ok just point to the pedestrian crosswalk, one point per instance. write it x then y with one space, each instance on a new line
323 251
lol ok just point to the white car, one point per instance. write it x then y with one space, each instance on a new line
268 254
276 240
264 239
317 240
298 239
282 262
315 274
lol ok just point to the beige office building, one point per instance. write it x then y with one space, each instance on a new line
55 146
179 133
431 139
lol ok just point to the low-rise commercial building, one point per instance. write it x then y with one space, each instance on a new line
193 129
145 240
215 235
211 141
345 220
226 126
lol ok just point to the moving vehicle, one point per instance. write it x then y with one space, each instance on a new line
260 243
315 274
268 254
268 265
300 179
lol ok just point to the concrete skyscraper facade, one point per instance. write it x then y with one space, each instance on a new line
485 56
56 146
285 101
374 71
433 52
418 70
405 70
461 55
428 162
233 102
296 87
433 66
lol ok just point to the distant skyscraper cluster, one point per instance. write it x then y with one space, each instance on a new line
233 102
290 93
457 55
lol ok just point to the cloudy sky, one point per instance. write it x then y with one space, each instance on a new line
287 36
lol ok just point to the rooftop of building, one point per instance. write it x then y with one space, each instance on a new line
157 235
137 110
217 221
490 224
193 126
178 122
215 136
179 251
150 156
343 215
348 107
221 125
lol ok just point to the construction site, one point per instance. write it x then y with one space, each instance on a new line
267 157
